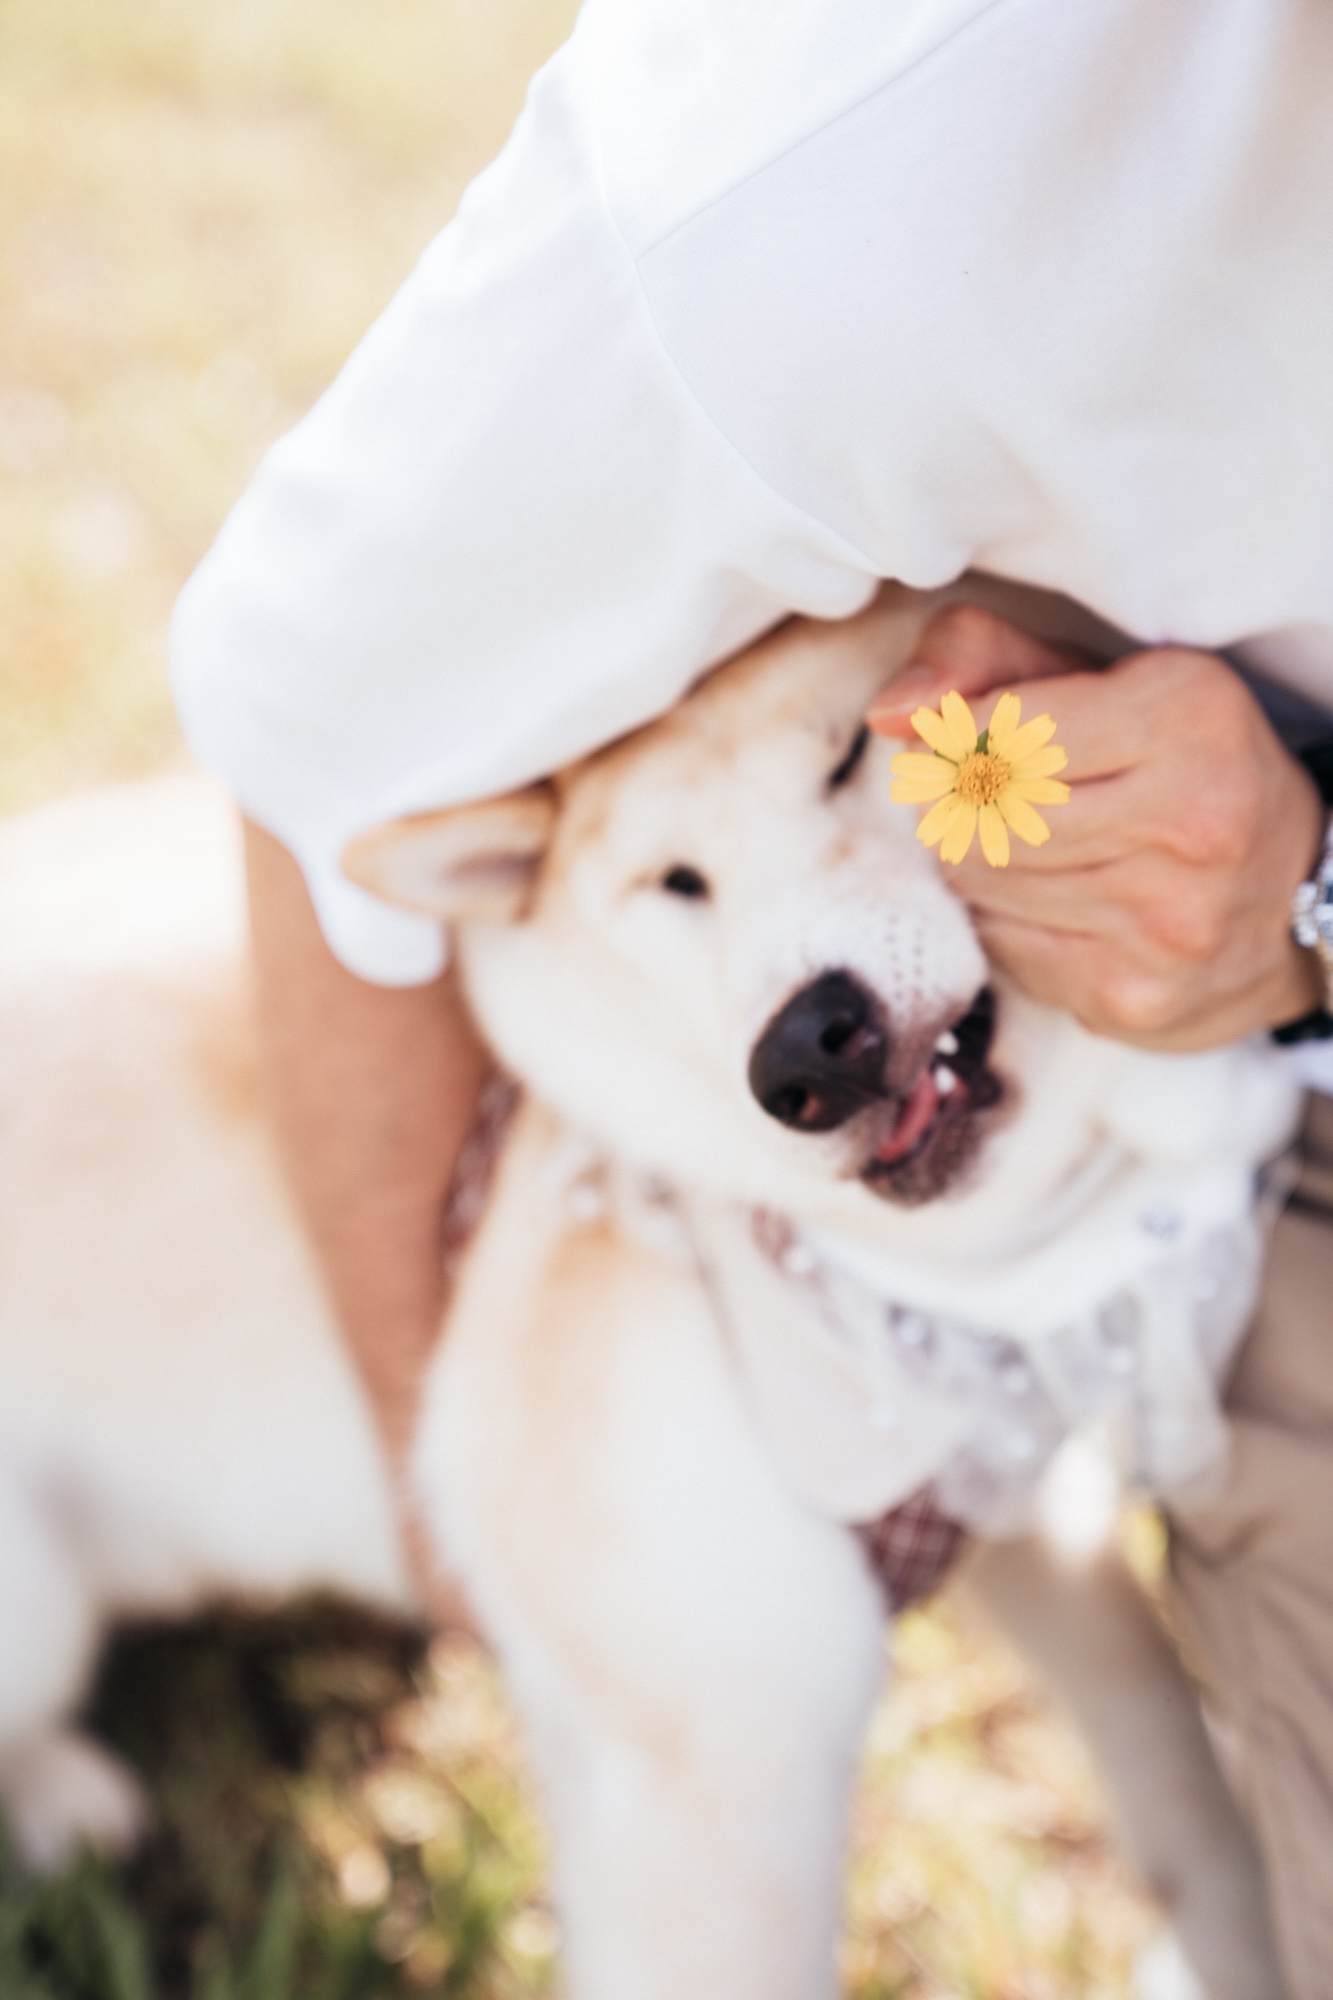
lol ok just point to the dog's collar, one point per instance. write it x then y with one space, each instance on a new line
870 1377
865 1394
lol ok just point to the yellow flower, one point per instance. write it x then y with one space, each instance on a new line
987 784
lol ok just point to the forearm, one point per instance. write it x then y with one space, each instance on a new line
370 1091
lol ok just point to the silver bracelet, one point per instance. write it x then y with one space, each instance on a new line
1312 914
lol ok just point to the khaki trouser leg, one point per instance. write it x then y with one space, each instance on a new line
1253 1575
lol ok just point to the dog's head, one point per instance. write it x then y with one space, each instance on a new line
719 947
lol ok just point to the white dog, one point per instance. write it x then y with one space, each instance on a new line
795 1228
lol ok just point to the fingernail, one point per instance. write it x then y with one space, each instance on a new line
910 688
917 685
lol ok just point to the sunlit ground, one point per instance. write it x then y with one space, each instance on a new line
202 204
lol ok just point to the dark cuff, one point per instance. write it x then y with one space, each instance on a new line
1316 1026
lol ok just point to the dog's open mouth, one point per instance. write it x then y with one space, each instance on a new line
930 1129
909 1103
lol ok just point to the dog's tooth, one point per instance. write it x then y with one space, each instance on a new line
945 1080
947 1043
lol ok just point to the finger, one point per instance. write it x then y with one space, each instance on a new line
1148 708
1160 916
1133 1002
970 651
1120 903
1111 721
1104 982
1104 820
1049 966
1071 900
1173 709
1101 732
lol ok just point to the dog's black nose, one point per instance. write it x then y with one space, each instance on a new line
821 1059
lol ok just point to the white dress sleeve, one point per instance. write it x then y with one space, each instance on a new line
505 535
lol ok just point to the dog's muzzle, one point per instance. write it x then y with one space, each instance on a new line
822 1058
827 1060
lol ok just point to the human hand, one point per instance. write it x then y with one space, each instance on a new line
1158 911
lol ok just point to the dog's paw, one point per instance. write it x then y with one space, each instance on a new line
60 1792
1163 1972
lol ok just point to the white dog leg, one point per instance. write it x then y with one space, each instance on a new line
693 1655
1094 1636
58 1790
61 1792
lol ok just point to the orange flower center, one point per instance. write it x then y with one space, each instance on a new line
982 776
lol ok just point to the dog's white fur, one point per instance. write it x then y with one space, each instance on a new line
693 1649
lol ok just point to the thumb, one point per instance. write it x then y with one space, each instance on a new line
971 651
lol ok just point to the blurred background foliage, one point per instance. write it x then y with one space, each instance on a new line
202 204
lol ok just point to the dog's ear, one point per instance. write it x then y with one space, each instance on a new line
466 863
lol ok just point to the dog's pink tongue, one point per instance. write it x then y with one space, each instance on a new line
922 1101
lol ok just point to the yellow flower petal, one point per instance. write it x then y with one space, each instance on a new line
1040 763
936 822
1004 725
911 764
958 837
935 731
960 787
918 791
960 722
1028 825
994 835
1041 791
1030 738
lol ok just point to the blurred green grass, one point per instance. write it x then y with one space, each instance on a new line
340 1813
202 205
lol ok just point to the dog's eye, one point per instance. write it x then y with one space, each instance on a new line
840 773
685 881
